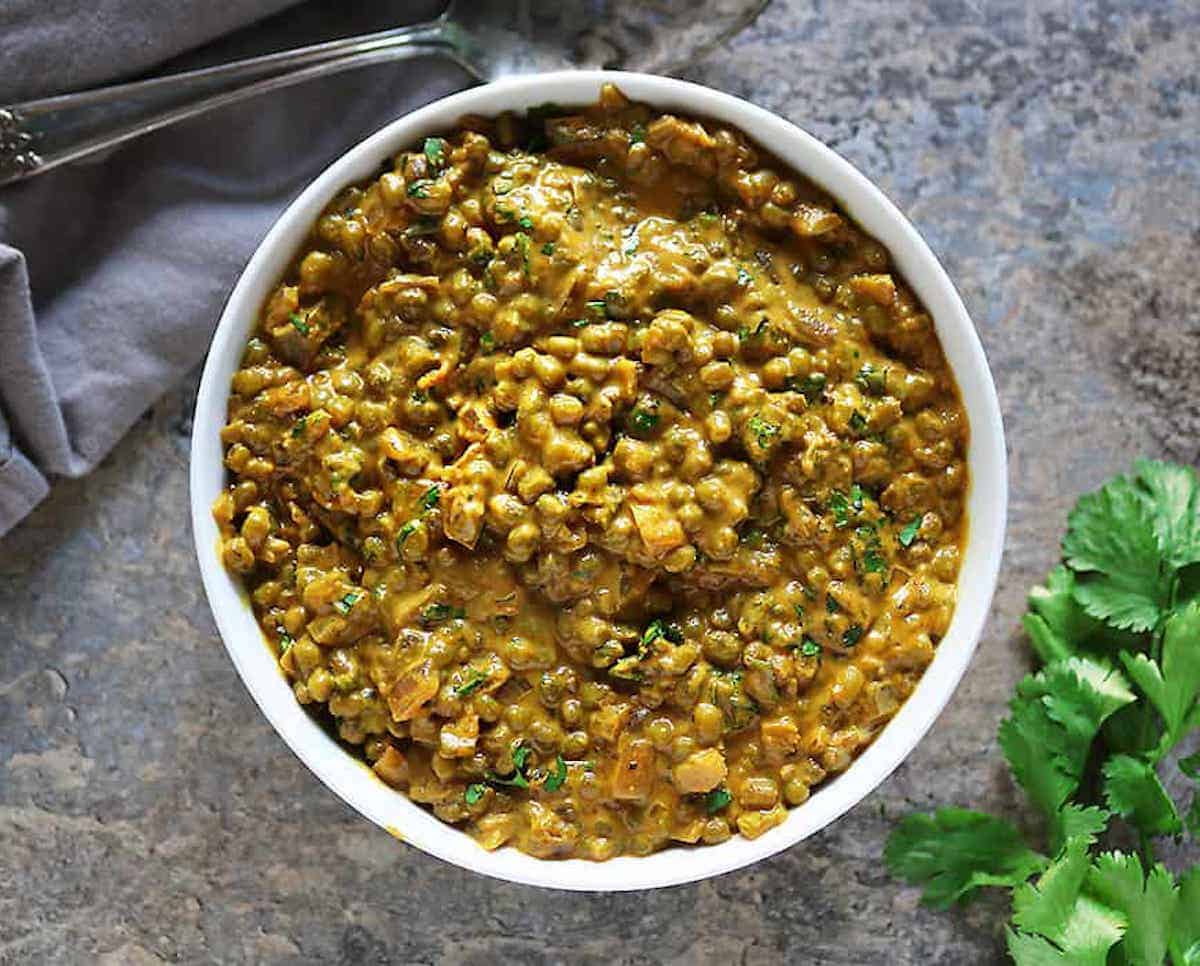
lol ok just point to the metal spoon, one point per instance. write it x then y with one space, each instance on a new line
488 39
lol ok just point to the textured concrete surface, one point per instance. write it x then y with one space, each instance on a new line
147 811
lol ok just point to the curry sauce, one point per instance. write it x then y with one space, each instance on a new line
599 479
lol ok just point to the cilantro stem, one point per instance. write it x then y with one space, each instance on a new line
1146 846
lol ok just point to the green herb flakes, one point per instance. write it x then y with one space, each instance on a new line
437 613
554 781
908 535
642 420
716 800
405 532
435 152
475 679
346 603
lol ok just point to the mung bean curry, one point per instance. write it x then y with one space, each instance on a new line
598 478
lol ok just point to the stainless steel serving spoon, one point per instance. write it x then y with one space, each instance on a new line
488 39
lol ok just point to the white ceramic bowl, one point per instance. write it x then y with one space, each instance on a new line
987 502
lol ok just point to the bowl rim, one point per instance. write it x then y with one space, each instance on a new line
987 502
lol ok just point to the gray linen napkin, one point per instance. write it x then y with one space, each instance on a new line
112 274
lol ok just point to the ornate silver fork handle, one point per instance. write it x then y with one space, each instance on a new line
36 136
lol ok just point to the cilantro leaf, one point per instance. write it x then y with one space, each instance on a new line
1058 626
518 778
1080 822
1133 791
1058 923
475 791
1173 688
1111 541
1185 929
908 535
1174 497
1055 717
1146 901
954 851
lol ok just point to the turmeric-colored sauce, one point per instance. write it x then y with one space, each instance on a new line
598 478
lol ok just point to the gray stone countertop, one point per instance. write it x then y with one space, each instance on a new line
148 813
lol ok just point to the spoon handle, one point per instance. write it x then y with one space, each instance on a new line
36 136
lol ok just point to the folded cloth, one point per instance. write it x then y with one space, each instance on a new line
113 273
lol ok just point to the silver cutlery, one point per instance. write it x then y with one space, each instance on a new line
489 40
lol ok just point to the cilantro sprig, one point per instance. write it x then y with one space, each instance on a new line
1116 630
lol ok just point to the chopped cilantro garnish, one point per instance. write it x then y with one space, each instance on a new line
809 648
548 248
346 603
637 133
525 222
475 791
474 680
763 429
831 604
811 387
487 341
909 534
839 506
419 188
554 781
642 421
851 635
430 498
435 151
299 323
874 562
858 422
300 427
716 800
285 641
436 613
658 628
872 380
406 531
518 778
579 323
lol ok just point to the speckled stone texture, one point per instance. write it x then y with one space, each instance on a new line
147 811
